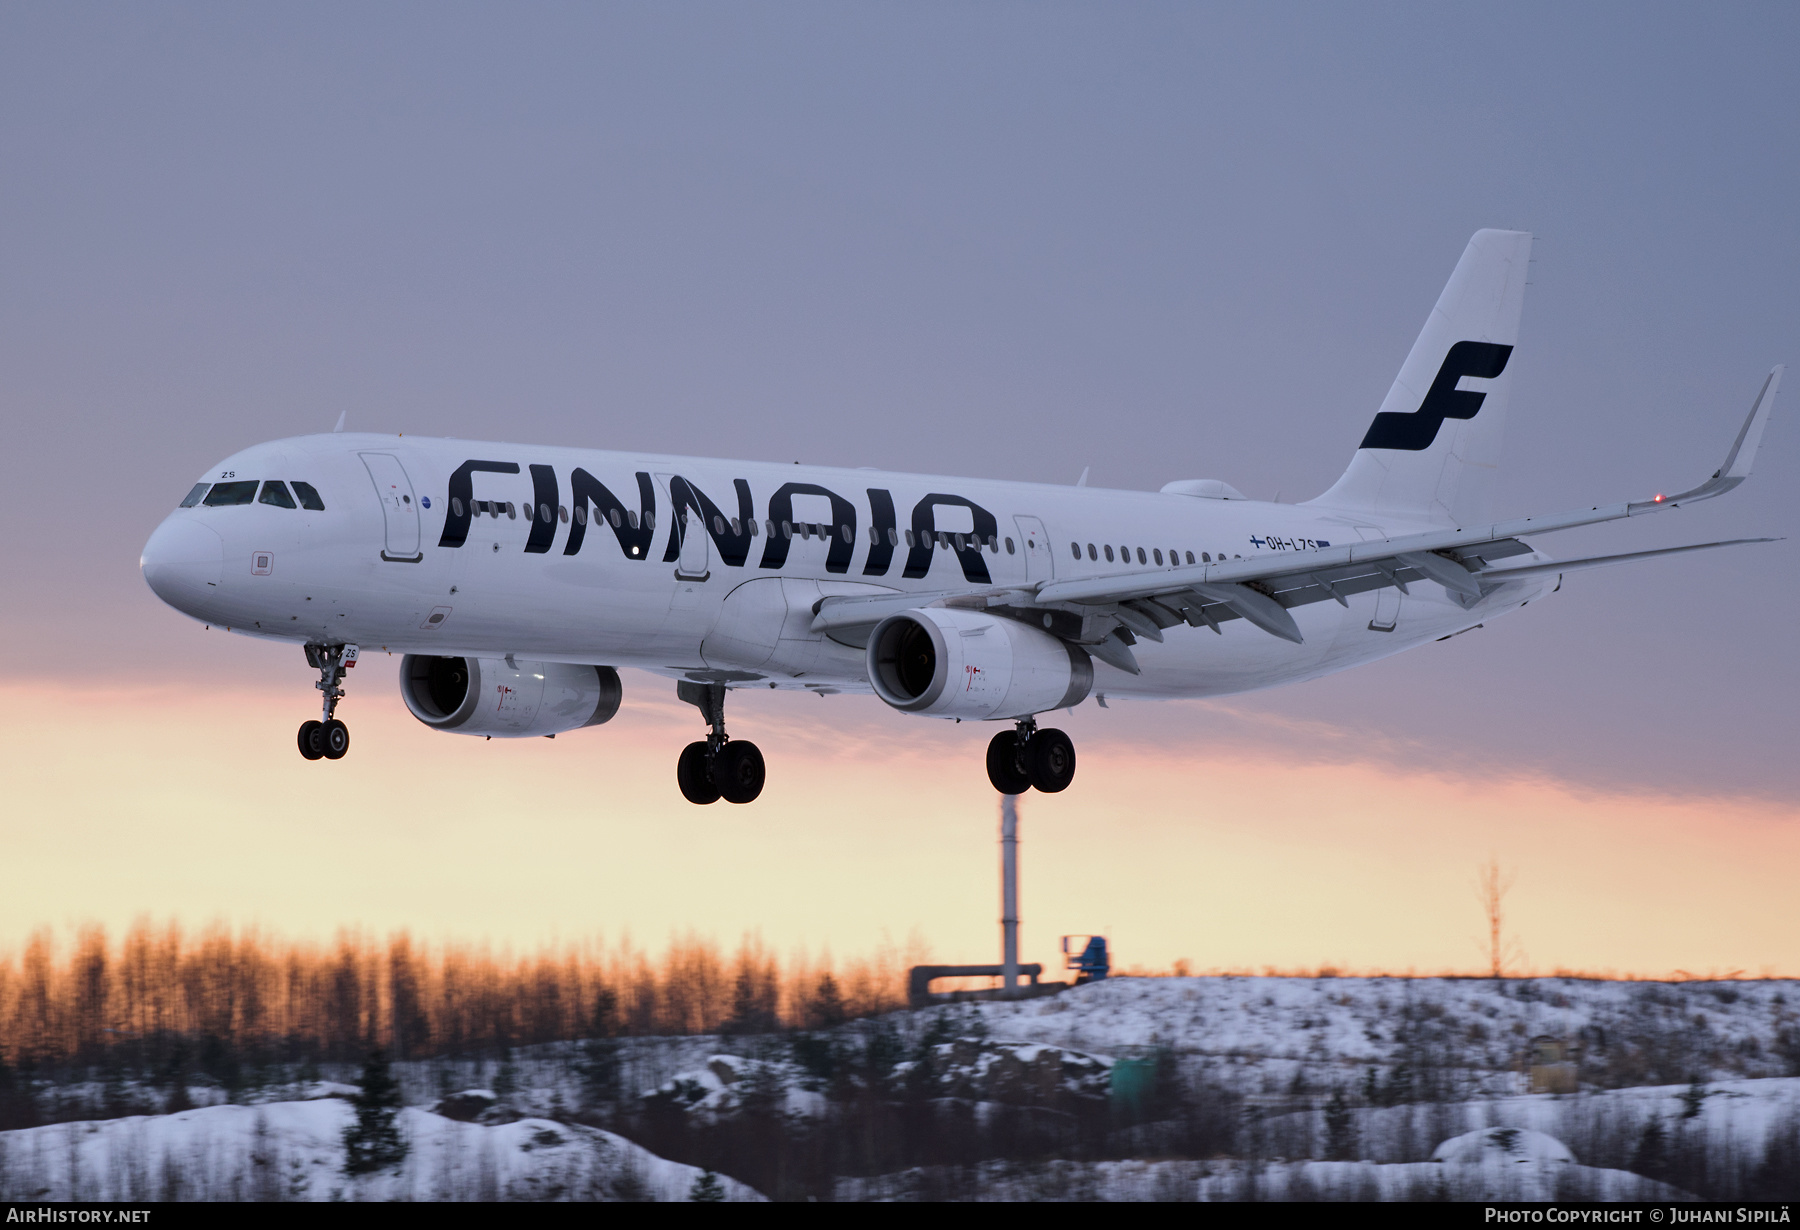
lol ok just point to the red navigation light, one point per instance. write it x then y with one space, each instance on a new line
1657 500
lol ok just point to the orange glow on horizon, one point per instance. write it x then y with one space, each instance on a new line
875 829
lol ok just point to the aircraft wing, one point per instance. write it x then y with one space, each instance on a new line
1117 608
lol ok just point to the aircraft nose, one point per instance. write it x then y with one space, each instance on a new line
182 562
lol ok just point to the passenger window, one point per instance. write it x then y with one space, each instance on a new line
1109 555
1158 554
309 498
1190 556
1093 554
512 511
277 494
1141 558
909 538
1205 558
562 513
231 493
193 497
580 513
1075 549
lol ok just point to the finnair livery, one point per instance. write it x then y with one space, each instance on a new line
515 578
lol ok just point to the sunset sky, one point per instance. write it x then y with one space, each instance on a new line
1160 241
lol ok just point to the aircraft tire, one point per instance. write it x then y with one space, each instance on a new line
336 739
312 740
1051 759
1006 763
693 773
738 772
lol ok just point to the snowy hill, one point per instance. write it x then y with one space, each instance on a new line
1328 1029
294 1151
1346 1088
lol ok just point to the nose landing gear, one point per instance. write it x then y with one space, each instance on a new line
1026 757
716 767
329 738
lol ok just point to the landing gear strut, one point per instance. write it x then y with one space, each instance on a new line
1026 757
328 738
716 767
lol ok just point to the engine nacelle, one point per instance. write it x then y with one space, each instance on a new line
486 696
944 662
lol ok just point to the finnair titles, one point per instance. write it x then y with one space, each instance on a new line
515 579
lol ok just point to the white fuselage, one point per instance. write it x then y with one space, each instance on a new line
376 565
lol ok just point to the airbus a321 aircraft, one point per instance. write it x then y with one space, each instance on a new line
515 578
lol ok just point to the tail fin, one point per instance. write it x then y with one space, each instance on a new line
1432 451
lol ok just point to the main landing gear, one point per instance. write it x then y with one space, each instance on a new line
1026 757
329 738
716 767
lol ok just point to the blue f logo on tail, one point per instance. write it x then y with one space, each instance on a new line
1414 432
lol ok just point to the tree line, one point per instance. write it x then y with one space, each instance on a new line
266 998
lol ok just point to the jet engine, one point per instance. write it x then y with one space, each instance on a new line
506 698
950 663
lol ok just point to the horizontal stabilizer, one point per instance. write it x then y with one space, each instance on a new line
1496 575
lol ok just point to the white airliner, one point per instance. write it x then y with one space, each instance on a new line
516 578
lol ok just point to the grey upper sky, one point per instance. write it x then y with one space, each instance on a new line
1161 241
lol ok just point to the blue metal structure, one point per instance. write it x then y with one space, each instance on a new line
1088 959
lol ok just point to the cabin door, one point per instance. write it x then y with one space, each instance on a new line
1034 543
690 531
398 507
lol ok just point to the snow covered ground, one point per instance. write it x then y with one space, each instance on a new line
294 1151
1708 1073
1265 1030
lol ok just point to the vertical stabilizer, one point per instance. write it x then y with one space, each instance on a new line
1431 453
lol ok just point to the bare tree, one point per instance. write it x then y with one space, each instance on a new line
1491 886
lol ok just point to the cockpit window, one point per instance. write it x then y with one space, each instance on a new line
231 493
309 497
277 494
193 497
